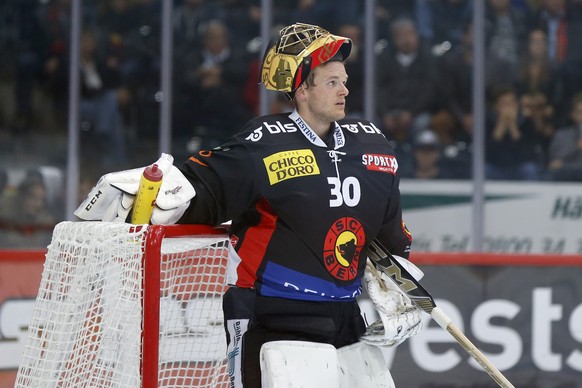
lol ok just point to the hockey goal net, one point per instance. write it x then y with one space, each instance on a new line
123 305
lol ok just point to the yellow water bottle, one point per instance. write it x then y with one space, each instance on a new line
149 187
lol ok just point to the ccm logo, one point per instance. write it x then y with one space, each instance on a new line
93 200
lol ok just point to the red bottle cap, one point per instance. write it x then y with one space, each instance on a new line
153 173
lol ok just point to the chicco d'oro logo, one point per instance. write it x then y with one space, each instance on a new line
290 164
343 246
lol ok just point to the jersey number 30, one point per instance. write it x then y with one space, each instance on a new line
344 192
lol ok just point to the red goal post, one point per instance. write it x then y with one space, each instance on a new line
123 305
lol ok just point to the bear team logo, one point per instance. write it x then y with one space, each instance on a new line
342 249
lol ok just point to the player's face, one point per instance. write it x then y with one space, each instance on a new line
325 101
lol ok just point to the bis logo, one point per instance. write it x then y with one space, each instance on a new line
343 246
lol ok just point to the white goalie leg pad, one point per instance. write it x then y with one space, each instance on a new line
363 366
298 364
301 364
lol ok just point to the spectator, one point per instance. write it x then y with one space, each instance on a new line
562 21
573 61
346 12
536 107
55 21
565 152
132 29
427 158
442 20
407 94
43 32
102 96
244 18
119 24
505 34
25 218
455 84
311 12
101 100
190 22
388 11
29 57
210 88
455 142
514 150
551 17
536 75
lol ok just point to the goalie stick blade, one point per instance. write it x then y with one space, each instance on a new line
407 283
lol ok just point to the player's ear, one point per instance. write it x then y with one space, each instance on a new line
300 93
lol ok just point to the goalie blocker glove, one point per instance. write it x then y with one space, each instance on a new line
399 319
113 196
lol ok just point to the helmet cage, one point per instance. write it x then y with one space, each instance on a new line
297 50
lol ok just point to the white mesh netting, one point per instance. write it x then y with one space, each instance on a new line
86 329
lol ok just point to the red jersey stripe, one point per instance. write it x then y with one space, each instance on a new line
255 245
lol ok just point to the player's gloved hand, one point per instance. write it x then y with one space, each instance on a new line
113 196
399 319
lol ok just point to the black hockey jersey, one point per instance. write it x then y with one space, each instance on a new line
303 210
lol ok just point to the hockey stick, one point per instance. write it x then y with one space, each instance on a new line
407 283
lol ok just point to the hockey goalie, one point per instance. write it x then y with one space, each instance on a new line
306 192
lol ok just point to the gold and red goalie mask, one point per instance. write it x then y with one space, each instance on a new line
298 49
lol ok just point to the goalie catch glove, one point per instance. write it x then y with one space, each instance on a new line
400 318
113 196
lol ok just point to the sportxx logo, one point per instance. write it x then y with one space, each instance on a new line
290 164
382 163
342 248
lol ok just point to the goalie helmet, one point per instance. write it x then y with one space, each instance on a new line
297 50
